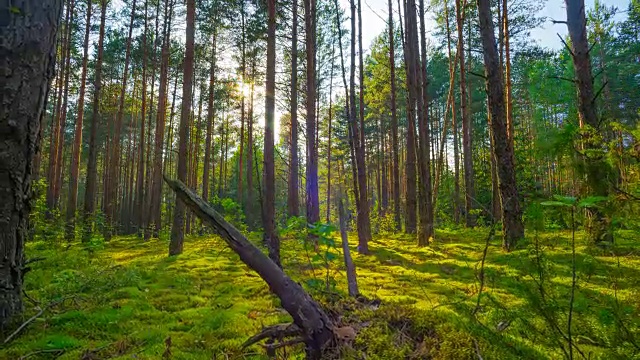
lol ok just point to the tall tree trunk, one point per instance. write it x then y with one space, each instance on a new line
513 226
208 158
249 200
77 142
243 66
114 165
595 168
394 124
57 124
27 54
177 231
507 66
92 165
313 202
333 52
410 162
63 117
140 188
269 212
425 230
363 224
155 216
293 196
467 155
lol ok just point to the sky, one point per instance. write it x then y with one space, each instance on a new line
374 10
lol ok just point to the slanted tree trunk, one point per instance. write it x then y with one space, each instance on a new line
293 197
313 202
467 148
92 165
512 224
114 165
595 166
317 328
77 142
27 50
177 231
269 210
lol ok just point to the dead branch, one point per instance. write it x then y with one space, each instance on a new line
57 352
32 319
279 331
282 344
306 313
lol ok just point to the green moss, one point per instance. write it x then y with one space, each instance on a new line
128 297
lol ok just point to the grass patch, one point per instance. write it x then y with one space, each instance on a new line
128 298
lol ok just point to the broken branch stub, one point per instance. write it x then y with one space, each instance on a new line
306 313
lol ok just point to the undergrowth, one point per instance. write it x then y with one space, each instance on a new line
126 299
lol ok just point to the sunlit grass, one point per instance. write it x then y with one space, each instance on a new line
128 298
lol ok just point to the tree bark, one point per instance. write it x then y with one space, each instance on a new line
208 158
363 222
467 148
410 162
57 119
114 165
513 227
92 165
156 183
27 47
313 202
394 124
77 142
269 212
293 196
425 230
177 231
595 167
306 313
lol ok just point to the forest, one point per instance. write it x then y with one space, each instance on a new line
319 179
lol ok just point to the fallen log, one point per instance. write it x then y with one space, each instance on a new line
317 328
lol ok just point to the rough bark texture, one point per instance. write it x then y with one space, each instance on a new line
594 166
313 202
92 165
410 163
513 227
77 142
306 313
269 210
27 50
177 231
293 200
467 156
425 230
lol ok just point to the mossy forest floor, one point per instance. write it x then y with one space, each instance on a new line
127 300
